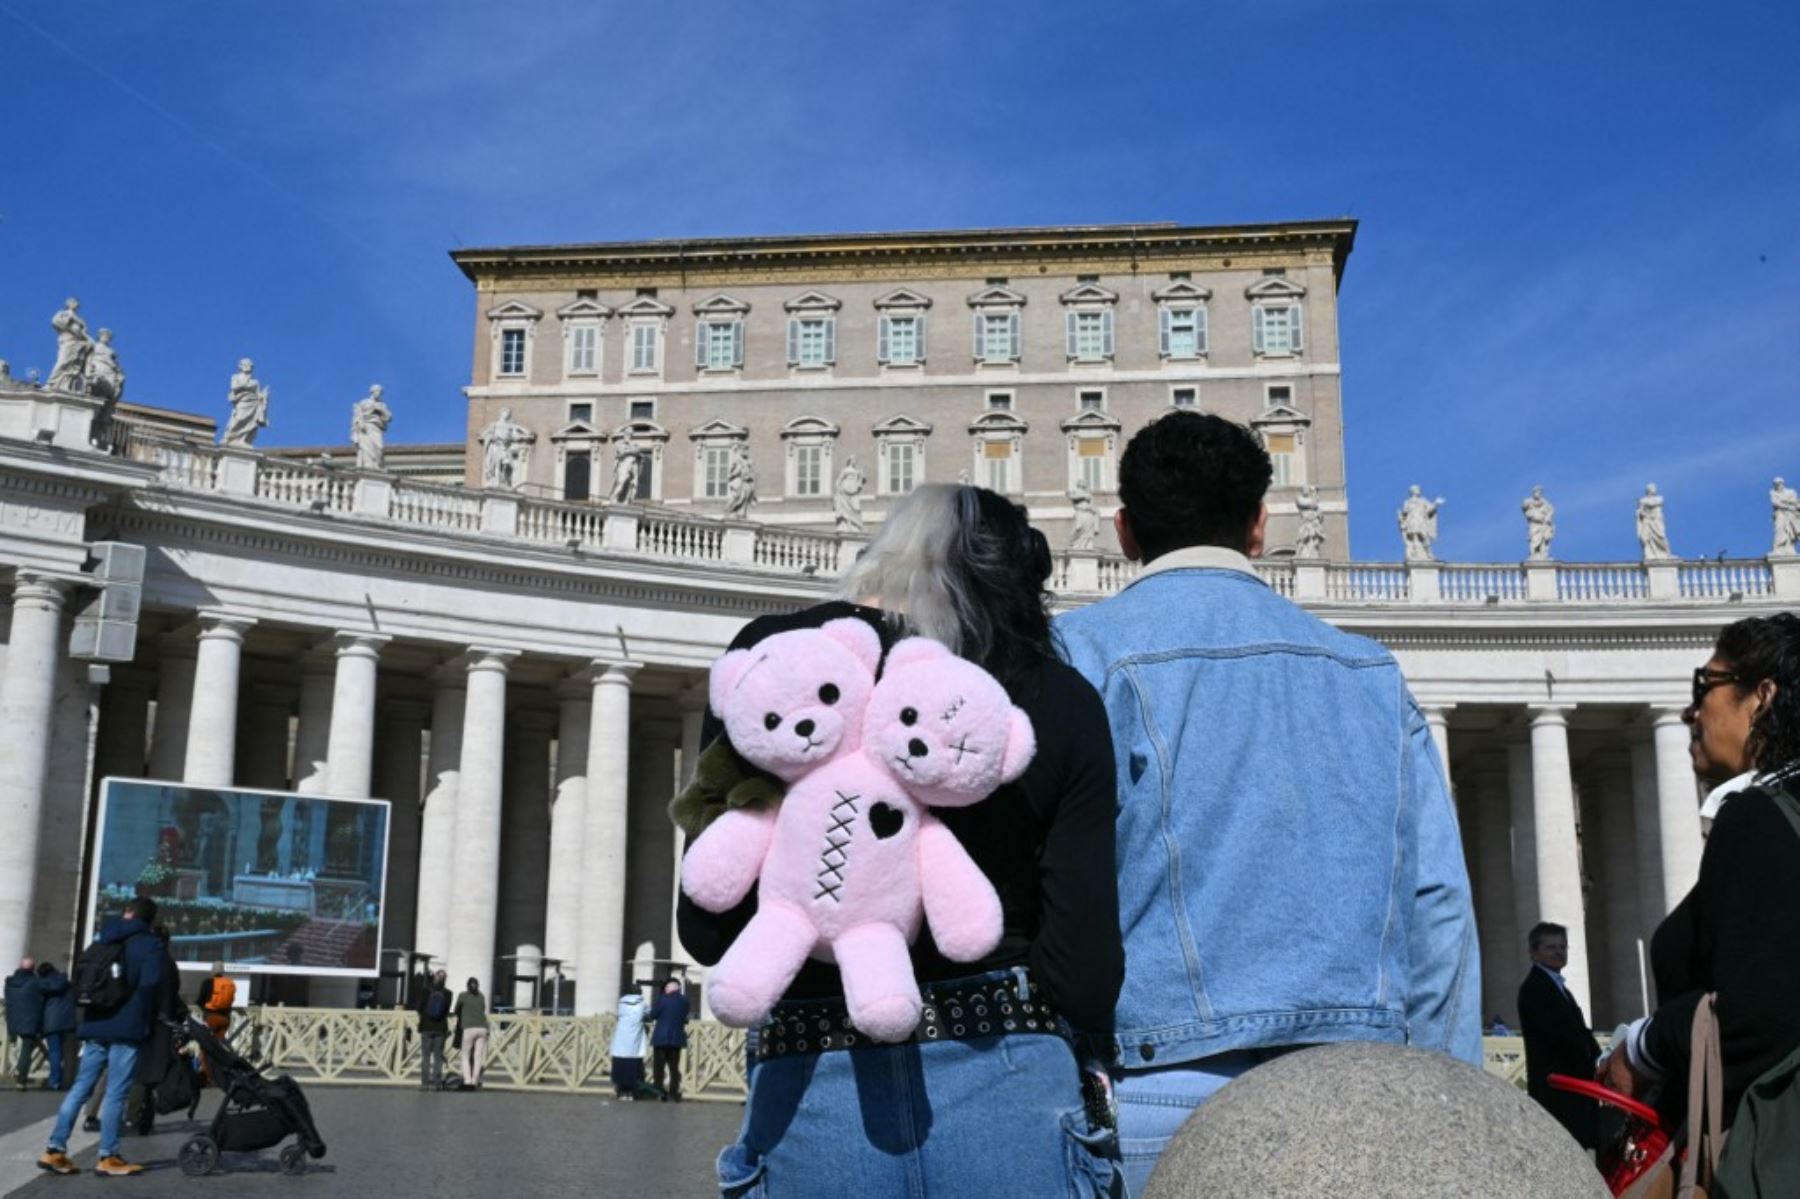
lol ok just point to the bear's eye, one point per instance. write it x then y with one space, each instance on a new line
771 722
828 694
909 716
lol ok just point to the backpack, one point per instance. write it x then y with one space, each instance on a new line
98 979
437 1004
178 1087
224 994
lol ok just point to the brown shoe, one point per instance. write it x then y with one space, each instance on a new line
117 1167
57 1162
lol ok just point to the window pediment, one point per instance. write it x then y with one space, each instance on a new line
1274 287
1089 295
1182 292
902 426
813 301
721 306
719 429
645 306
998 422
578 431
808 426
640 430
1091 421
1280 414
584 309
514 310
902 298
997 297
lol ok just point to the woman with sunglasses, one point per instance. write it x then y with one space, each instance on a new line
1737 933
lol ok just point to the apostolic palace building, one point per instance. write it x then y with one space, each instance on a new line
508 639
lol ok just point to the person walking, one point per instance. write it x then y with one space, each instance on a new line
668 1038
434 1029
472 1032
956 1110
1557 1037
59 1024
1290 869
120 975
160 1052
24 1016
628 1046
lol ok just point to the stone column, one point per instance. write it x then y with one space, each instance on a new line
397 781
312 735
437 823
475 891
174 701
525 848
1522 843
602 945
1437 718
1645 819
26 695
350 752
1612 855
1678 806
212 724
1495 920
652 879
1558 849
562 904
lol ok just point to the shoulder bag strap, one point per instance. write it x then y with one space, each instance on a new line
1706 1105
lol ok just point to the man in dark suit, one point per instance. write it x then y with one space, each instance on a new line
1557 1037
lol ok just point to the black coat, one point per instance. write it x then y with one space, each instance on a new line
59 1003
24 1005
1558 1041
158 1049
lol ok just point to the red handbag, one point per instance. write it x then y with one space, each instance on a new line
1638 1146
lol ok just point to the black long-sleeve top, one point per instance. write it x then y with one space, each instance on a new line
1045 841
1736 933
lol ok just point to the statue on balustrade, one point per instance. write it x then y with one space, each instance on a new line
1652 532
1419 526
1084 530
73 348
369 421
1786 503
1309 538
505 450
846 498
740 484
628 468
249 407
105 379
1540 525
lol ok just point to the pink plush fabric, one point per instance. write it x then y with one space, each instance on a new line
853 859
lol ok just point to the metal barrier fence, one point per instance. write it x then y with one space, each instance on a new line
572 1054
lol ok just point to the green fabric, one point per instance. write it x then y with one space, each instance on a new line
1762 1154
722 781
471 1010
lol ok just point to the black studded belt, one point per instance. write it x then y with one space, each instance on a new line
989 1005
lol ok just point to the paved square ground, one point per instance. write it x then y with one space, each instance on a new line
385 1142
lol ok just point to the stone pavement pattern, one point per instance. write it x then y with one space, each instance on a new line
1369 1119
385 1141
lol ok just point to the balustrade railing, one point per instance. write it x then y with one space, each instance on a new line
1479 584
785 549
1606 581
1724 580
432 506
676 537
1279 576
1386 583
1115 573
562 523
305 486
191 466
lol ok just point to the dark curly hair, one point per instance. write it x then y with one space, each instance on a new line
1767 647
1192 479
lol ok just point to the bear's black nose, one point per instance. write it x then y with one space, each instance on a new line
804 728
916 748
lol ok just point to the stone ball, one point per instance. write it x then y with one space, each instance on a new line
1370 1119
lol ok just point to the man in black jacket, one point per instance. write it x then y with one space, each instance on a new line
25 1015
434 1026
1557 1037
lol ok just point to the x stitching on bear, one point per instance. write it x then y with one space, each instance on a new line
956 706
834 848
962 747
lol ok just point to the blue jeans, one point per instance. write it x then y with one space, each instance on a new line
1155 1103
53 1045
119 1060
995 1116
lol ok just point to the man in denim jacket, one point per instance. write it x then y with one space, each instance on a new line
1290 871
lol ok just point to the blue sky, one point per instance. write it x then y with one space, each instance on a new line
1578 262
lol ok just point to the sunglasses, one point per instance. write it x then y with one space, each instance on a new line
1705 680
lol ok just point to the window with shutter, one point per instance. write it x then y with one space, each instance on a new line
644 344
512 351
584 343
793 341
1281 448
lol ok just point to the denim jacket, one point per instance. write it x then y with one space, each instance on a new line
1290 869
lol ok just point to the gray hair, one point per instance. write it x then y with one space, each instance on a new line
906 567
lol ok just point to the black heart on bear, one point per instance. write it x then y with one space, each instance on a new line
885 820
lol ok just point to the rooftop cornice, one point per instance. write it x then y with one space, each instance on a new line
973 245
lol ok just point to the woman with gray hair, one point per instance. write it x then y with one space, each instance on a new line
987 1097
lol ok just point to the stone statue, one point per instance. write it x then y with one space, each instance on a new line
1652 532
1309 538
1418 525
72 350
740 484
1786 503
846 498
5 371
104 377
505 449
1084 530
628 467
1540 525
369 421
249 407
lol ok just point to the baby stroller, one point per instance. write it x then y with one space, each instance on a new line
255 1113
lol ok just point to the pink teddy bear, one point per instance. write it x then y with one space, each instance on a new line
853 858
